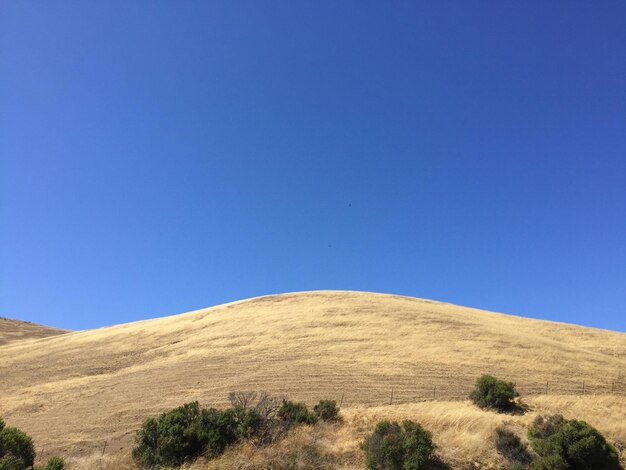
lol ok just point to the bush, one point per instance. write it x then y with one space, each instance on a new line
184 433
384 449
11 463
327 410
571 444
511 447
490 392
248 422
17 450
418 446
391 447
296 413
55 463
549 462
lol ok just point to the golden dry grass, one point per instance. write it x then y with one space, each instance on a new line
16 330
75 392
463 433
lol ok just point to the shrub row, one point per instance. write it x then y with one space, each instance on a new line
559 444
189 431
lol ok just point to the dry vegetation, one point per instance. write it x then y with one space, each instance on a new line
464 435
76 392
15 330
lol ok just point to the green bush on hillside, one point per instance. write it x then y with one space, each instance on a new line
55 463
11 463
296 413
327 410
187 432
184 433
17 450
391 447
512 448
492 393
570 444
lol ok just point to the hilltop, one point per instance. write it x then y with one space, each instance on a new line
81 391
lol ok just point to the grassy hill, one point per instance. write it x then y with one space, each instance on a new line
16 330
83 394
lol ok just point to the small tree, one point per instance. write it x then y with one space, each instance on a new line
391 447
418 446
511 447
327 410
573 444
16 449
384 447
492 393
184 433
296 413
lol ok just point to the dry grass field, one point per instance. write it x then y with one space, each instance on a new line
463 433
15 330
83 394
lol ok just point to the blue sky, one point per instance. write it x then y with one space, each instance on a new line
159 157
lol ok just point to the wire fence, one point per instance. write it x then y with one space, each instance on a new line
394 393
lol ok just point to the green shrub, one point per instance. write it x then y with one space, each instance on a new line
570 444
248 422
9 462
511 447
549 462
384 448
187 432
16 449
55 463
490 392
296 413
391 447
179 434
216 431
327 410
418 446
184 433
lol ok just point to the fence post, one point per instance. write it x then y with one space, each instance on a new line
391 399
105 447
583 387
434 391
341 401
547 387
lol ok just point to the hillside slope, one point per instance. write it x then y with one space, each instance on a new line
16 330
80 390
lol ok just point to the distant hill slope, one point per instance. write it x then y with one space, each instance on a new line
16 330
76 391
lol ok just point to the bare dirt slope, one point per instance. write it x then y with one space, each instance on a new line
75 392
16 330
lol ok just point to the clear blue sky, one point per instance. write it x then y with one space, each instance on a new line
159 157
